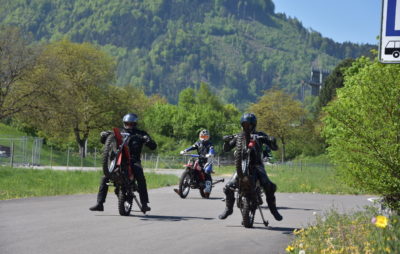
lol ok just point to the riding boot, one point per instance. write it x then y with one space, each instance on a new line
229 202
271 201
101 195
228 208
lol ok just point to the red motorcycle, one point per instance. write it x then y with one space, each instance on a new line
194 177
117 167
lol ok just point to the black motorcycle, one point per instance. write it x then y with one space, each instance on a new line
249 194
117 167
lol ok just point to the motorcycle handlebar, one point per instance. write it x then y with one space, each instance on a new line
192 155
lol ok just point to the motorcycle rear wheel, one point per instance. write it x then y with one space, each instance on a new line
124 203
184 184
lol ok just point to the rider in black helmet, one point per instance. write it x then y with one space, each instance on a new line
136 142
249 122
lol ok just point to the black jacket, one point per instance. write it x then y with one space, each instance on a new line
136 142
262 139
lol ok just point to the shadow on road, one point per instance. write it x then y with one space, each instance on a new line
169 218
284 230
210 198
291 208
260 226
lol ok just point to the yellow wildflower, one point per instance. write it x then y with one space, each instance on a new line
380 221
289 248
296 232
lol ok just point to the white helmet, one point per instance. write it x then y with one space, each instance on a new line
204 135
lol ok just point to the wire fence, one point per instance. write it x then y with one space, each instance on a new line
30 152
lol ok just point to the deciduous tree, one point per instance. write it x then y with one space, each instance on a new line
362 127
278 114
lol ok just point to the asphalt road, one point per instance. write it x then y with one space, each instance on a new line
63 224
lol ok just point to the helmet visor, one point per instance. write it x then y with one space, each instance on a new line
129 125
204 137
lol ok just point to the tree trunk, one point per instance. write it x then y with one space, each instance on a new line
81 142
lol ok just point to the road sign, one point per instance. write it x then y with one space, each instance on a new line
389 47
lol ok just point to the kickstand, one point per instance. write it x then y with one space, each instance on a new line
266 223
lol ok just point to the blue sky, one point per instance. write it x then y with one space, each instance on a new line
356 21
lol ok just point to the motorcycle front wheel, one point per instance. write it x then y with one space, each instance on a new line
184 184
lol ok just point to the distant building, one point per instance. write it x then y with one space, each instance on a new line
316 82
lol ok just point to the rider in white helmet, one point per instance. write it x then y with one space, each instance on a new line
205 148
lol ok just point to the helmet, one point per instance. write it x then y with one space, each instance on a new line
204 135
248 121
130 121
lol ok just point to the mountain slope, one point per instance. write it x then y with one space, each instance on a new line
239 47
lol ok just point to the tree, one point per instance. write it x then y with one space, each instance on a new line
73 80
362 127
333 81
279 115
16 59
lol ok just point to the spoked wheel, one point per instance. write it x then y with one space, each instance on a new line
184 184
248 214
109 155
124 203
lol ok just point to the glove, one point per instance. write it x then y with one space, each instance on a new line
183 152
104 133
146 138
227 138
209 155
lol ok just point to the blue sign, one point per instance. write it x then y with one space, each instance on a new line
391 18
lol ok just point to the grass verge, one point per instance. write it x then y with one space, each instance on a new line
23 183
361 232
318 178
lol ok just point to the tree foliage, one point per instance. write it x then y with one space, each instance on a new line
279 114
238 47
334 81
362 127
73 80
17 58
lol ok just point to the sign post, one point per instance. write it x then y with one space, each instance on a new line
389 47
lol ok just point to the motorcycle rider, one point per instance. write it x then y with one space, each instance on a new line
136 142
248 122
204 148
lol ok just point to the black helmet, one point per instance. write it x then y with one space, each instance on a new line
249 118
130 120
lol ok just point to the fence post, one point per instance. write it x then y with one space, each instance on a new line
68 158
81 161
12 155
51 157
158 157
95 153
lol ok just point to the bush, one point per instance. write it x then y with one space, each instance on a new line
360 232
362 127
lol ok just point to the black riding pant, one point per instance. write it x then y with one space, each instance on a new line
268 186
141 183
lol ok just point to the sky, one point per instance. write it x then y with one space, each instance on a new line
357 21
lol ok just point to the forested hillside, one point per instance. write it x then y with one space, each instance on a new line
238 47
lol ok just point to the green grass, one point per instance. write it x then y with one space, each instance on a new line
348 233
304 177
23 183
